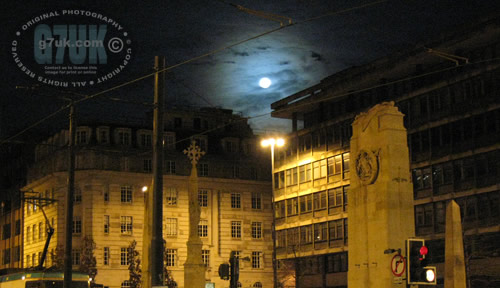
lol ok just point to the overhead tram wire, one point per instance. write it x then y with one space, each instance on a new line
319 100
3 141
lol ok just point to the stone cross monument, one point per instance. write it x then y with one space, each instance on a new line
194 269
380 198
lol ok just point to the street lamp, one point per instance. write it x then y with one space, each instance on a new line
272 142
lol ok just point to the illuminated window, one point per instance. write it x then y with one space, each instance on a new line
28 234
236 229
106 224
77 197
106 256
256 200
126 194
257 259
170 257
319 169
205 256
40 231
126 225
320 232
235 200
291 177
306 234
203 228
77 225
75 257
124 256
203 197
171 227
256 230
171 194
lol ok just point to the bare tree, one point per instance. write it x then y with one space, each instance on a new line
168 278
58 258
87 258
134 265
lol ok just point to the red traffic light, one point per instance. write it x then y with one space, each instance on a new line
424 250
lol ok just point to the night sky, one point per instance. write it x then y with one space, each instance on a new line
293 58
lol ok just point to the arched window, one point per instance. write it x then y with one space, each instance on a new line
239 284
126 284
257 285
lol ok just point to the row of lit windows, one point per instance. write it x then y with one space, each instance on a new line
126 225
37 232
256 231
309 234
331 198
332 166
52 257
256 200
171 258
171 227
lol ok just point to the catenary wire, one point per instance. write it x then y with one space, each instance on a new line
186 62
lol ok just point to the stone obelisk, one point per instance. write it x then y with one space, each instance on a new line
380 198
454 264
194 269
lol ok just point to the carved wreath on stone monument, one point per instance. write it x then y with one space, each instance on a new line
366 167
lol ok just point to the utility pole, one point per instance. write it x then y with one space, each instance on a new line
69 201
153 210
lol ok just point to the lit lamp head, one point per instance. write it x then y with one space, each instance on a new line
271 142
144 189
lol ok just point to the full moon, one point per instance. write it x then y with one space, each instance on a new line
265 82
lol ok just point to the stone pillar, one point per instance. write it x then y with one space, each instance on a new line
194 269
380 197
454 264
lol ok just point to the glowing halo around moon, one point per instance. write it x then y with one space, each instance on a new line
265 82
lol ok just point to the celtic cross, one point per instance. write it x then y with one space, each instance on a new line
194 153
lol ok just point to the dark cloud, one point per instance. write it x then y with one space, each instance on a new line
242 54
316 56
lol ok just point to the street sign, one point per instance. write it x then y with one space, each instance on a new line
398 265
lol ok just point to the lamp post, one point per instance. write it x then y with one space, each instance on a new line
272 142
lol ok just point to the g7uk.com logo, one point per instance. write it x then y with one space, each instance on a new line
91 49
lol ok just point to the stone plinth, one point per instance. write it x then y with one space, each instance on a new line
380 198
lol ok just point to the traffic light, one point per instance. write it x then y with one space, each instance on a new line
418 272
235 270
